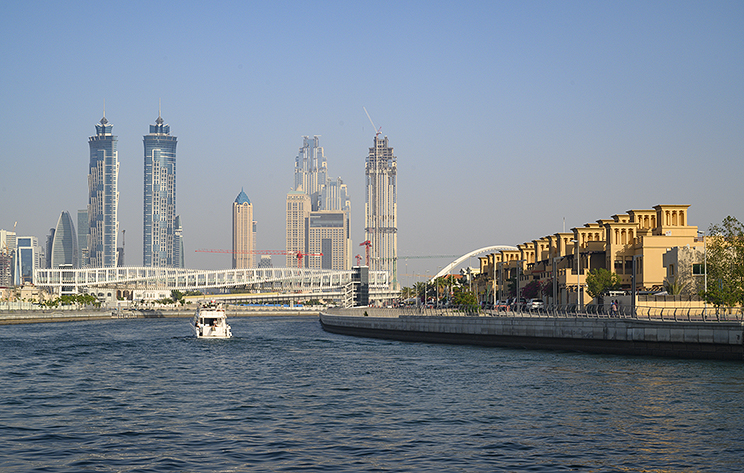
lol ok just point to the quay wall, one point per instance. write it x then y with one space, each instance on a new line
9 317
709 340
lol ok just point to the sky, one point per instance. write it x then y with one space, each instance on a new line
506 118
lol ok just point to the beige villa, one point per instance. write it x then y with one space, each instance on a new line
659 240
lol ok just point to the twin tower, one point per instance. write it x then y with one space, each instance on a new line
162 235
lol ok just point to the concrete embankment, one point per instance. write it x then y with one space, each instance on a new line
707 340
8 317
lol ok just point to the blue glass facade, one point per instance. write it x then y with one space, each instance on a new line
27 259
103 197
161 244
64 244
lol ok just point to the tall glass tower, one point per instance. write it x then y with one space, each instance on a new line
381 208
64 250
160 248
103 197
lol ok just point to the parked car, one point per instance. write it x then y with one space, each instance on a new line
502 305
535 304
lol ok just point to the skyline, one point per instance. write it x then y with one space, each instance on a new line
505 118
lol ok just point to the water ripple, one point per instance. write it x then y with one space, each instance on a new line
143 395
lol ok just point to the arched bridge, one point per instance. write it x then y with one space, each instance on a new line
488 249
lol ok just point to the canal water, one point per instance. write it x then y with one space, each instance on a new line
283 395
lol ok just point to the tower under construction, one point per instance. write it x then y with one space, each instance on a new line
381 208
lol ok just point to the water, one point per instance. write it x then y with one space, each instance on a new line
283 395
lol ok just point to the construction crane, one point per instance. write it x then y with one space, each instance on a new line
373 124
358 260
299 255
428 257
367 244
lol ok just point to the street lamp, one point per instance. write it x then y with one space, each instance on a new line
501 283
555 280
519 276
578 276
633 287
705 270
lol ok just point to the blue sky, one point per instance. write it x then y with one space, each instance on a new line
506 117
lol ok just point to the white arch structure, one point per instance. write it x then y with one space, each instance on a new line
462 258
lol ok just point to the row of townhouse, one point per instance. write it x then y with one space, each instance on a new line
658 242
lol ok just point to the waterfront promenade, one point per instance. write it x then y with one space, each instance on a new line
71 314
707 339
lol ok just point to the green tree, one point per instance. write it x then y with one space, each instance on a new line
177 296
725 264
599 281
465 300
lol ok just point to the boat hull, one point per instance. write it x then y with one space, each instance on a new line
211 322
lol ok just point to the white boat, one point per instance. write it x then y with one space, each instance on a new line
210 321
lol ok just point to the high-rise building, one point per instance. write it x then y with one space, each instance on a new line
311 169
178 254
324 194
159 245
328 234
82 234
381 208
28 258
48 249
244 233
103 197
298 213
64 251
7 256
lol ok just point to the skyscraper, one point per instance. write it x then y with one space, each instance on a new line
244 233
82 234
178 253
64 249
28 258
103 197
298 213
328 234
311 169
7 257
381 208
159 245
324 194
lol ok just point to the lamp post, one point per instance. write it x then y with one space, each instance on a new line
426 290
578 276
555 280
705 270
519 276
633 287
501 283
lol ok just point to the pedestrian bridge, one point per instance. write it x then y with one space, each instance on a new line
277 279
488 249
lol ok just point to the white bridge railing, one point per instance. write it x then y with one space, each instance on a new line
71 280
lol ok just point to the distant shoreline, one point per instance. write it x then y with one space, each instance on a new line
12 317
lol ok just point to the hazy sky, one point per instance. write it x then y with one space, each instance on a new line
505 117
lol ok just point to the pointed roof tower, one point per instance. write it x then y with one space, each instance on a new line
242 198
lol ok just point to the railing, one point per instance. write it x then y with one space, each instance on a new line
686 314
679 314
